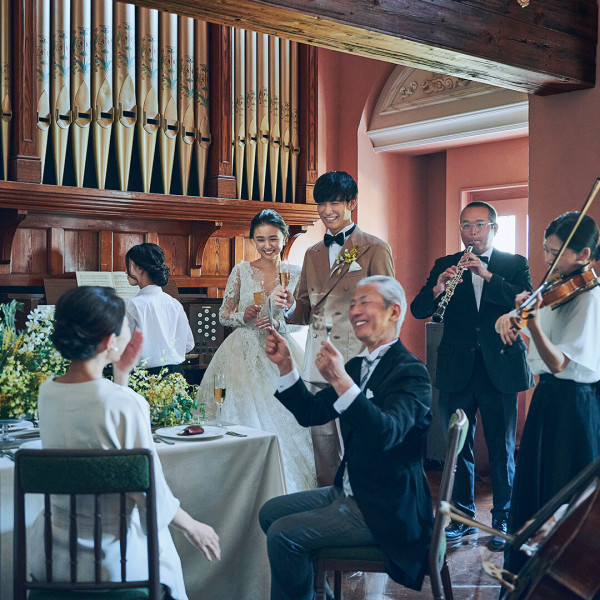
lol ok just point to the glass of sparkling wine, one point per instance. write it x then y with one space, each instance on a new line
220 389
284 273
259 298
328 325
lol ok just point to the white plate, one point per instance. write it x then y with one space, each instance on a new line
210 433
21 426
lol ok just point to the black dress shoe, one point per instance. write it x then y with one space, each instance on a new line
456 530
498 543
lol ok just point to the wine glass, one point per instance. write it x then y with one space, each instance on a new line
259 298
220 389
328 325
284 273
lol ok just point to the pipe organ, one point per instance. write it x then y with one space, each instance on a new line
127 74
121 124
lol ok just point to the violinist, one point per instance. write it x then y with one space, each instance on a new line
562 430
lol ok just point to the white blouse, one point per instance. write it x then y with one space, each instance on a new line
574 328
166 328
93 415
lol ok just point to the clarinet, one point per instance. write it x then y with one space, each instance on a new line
438 315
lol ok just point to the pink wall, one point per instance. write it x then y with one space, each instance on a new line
564 158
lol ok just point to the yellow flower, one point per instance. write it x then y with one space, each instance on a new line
349 256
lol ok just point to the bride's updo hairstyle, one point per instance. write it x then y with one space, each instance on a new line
84 316
269 217
151 259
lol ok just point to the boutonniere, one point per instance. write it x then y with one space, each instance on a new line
369 394
348 257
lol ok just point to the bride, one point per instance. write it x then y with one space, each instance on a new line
250 376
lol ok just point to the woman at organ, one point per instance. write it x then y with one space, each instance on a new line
167 333
562 430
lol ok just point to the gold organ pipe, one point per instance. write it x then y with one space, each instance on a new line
185 104
285 116
60 101
148 121
294 104
124 87
81 107
102 86
251 126
239 107
5 82
167 95
262 110
274 102
201 94
43 78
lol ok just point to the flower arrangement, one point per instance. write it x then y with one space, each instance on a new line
171 398
28 358
348 256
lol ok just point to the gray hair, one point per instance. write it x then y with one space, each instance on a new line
391 291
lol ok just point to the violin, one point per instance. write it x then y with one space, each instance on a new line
559 291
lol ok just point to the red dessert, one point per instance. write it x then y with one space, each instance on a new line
192 430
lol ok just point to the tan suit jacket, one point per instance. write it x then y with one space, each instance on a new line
324 290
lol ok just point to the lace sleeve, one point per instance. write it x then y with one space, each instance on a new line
228 314
294 280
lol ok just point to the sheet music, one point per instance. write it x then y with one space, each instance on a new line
103 278
116 279
122 287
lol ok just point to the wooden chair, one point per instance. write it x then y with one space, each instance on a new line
371 558
84 472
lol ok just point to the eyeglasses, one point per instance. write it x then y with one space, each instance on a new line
466 227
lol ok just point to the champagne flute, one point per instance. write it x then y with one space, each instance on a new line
220 389
259 298
328 325
284 273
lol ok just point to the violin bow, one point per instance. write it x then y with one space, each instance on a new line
586 205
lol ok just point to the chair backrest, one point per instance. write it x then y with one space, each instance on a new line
101 476
457 433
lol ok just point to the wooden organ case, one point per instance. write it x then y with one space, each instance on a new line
121 124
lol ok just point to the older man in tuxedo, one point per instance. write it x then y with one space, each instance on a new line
474 369
330 272
380 495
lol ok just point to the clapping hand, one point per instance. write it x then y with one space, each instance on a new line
129 358
278 352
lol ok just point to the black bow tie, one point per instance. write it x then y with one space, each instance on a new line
339 238
485 259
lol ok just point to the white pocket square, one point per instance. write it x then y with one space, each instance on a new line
369 394
354 267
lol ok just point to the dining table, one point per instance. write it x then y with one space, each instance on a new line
221 481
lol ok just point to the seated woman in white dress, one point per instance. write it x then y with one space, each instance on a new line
80 410
161 318
250 375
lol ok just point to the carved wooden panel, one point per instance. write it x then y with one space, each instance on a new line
122 241
29 251
217 257
81 251
176 249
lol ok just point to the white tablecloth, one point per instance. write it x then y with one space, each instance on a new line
222 482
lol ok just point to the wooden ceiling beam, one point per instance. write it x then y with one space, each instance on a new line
544 48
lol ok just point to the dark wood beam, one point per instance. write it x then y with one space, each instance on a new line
546 47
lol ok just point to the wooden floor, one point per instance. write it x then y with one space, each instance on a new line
465 561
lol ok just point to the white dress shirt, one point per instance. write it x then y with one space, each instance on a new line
166 329
334 248
478 280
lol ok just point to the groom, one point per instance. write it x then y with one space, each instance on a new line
380 495
330 272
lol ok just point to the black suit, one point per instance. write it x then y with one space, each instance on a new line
474 370
383 432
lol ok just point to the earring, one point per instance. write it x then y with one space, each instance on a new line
114 348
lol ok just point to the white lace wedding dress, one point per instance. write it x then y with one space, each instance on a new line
251 376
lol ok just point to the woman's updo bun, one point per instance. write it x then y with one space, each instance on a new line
85 316
151 259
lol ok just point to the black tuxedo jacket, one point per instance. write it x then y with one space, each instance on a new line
384 432
467 329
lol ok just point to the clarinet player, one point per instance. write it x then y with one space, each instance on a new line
474 371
